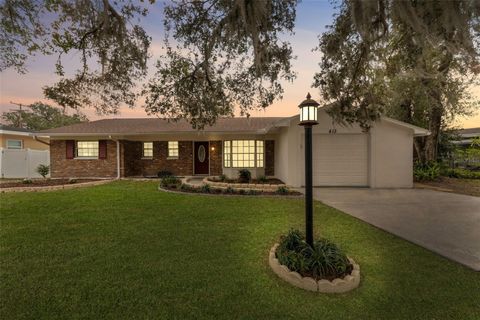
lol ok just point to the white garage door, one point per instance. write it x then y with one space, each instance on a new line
340 160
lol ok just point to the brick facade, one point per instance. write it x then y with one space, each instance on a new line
269 157
216 167
135 165
61 167
132 163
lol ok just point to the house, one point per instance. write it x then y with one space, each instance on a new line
271 146
21 153
19 138
466 136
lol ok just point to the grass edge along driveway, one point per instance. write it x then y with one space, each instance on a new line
127 251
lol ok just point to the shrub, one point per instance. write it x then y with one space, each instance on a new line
282 190
222 177
263 179
205 188
27 181
229 190
426 172
43 170
170 182
252 192
244 176
72 180
322 261
461 174
164 174
185 187
241 191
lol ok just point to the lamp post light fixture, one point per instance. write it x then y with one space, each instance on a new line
308 118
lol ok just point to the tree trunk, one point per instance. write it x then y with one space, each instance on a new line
431 141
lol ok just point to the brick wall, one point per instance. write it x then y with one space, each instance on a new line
136 166
216 158
61 167
269 157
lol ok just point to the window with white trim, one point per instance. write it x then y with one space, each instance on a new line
87 149
147 150
243 154
173 149
14 144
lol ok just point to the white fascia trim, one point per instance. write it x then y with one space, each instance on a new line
417 131
16 133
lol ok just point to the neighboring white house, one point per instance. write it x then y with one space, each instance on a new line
342 156
21 153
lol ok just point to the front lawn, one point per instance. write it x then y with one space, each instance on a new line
127 251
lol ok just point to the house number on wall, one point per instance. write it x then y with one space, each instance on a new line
201 153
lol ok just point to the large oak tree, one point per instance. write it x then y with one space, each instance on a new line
227 54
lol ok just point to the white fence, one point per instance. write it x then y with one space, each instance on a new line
22 163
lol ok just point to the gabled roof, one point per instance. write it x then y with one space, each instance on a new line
158 126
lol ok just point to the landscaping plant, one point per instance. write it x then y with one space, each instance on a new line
426 172
170 182
27 181
244 176
205 188
43 170
164 173
282 190
263 179
322 261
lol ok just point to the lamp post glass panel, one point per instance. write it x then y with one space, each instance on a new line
308 118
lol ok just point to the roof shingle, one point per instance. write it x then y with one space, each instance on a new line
156 125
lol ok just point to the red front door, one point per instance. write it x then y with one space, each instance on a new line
201 157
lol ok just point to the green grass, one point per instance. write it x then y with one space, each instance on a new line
127 251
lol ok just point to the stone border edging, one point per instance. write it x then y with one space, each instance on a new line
57 187
338 285
245 186
231 195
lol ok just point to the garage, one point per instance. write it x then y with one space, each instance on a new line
340 160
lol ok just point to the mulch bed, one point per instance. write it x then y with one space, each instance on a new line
469 187
217 191
253 181
40 183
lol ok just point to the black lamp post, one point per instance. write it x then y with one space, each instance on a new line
308 118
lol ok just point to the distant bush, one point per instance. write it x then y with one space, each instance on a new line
426 172
43 170
72 180
222 177
461 173
164 173
27 181
244 176
322 261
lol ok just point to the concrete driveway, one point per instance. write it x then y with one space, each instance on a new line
446 223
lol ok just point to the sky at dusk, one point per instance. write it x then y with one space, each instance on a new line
312 17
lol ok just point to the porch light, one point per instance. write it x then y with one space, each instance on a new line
212 148
308 111
308 118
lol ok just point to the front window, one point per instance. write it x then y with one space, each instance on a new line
243 154
173 149
148 149
87 149
14 144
